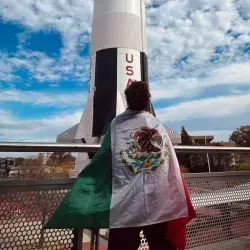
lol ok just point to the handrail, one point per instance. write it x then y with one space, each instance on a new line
211 149
41 182
78 148
70 181
47 147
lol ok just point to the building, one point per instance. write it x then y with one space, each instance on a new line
68 136
175 137
228 144
202 140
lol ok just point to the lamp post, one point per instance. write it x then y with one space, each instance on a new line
208 161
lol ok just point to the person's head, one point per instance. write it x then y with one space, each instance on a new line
138 96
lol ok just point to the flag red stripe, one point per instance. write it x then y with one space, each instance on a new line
177 230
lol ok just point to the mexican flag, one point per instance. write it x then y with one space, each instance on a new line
134 180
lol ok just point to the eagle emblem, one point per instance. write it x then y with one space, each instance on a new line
146 153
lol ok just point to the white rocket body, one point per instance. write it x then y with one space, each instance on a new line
118 56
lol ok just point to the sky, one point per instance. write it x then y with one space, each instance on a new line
199 65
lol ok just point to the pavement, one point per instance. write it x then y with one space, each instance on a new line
242 243
103 243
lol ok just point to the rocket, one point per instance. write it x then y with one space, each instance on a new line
118 56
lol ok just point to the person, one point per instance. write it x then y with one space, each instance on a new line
133 183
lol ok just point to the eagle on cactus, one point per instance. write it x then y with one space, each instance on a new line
146 153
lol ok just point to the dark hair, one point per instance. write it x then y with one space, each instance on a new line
138 96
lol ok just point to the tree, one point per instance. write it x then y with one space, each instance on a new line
184 159
61 159
58 166
185 137
221 162
199 163
61 163
241 136
196 163
4 169
19 161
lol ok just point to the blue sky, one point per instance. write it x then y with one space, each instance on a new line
199 65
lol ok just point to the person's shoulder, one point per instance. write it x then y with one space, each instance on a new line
119 118
149 115
130 114
155 119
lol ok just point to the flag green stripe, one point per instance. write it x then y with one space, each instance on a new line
87 205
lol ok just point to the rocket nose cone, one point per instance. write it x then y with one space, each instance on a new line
110 6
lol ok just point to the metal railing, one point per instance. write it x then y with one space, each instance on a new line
222 202
25 207
83 148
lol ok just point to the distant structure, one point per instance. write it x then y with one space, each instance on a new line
175 137
5 166
202 140
69 135
228 144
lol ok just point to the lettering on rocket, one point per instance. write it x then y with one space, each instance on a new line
129 69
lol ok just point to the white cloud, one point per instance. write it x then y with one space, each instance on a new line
70 99
219 107
193 45
234 75
238 73
42 130
73 21
174 88
184 35
5 116
45 130
64 15
244 7
43 68
6 69
179 28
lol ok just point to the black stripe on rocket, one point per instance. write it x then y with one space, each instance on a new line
105 95
144 75
144 67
